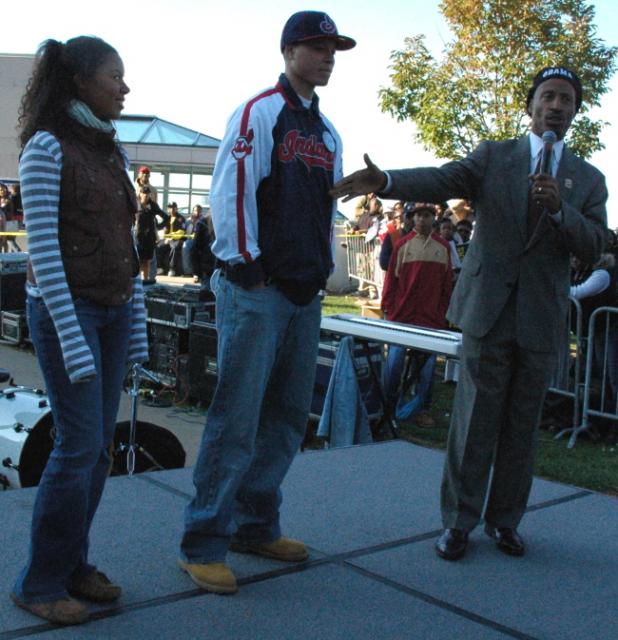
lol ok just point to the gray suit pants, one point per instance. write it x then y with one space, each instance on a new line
495 418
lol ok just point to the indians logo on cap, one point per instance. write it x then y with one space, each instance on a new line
328 26
242 147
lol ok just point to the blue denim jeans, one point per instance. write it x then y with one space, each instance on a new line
187 259
267 355
393 371
84 416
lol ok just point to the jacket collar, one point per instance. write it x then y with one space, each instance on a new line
93 138
293 99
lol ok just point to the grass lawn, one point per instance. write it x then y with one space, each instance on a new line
592 465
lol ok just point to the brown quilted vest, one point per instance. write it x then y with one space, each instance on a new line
97 212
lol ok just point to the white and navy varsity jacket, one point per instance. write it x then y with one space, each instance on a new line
271 209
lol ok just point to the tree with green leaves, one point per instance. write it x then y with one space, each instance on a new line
477 91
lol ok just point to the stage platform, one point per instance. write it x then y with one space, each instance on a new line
370 517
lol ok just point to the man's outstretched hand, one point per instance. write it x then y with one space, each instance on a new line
360 183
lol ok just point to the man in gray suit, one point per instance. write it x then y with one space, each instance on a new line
510 300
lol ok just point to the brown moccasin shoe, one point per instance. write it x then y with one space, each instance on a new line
96 587
215 577
64 611
285 549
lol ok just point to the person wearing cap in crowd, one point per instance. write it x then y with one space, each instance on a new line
464 231
273 219
394 235
417 290
462 210
143 180
447 232
511 300
395 216
169 252
371 216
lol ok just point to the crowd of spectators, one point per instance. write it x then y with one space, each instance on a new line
454 223
411 296
421 246
167 242
11 216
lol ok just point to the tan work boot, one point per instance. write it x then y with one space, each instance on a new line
285 549
215 577
95 586
64 611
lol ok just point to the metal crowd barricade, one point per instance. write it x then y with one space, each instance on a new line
569 362
601 370
363 261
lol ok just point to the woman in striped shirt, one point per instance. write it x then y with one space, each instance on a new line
85 306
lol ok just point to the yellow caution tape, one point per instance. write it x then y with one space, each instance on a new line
177 235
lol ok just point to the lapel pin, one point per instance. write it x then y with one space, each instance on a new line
568 183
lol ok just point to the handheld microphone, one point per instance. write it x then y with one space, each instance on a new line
549 139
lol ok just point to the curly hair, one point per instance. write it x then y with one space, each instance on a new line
51 86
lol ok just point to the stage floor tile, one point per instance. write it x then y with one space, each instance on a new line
564 588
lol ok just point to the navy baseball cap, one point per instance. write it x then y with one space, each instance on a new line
309 25
560 73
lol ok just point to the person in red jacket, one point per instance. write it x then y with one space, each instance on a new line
417 291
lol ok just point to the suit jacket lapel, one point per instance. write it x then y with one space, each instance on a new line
518 167
567 170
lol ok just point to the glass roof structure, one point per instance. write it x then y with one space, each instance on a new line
153 130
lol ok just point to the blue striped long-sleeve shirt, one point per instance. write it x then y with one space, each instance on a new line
39 173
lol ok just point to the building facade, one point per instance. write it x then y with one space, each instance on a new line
14 73
181 160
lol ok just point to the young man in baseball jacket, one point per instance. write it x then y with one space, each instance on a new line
273 219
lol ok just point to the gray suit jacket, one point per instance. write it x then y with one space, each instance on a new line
500 257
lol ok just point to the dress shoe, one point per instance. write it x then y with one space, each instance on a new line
507 540
284 549
96 587
215 577
64 611
451 545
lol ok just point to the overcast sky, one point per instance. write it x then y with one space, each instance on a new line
194 61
